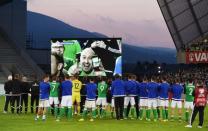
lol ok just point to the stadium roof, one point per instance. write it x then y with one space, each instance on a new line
187 20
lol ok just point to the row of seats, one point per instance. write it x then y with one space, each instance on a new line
10 59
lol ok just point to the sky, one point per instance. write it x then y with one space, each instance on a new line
138 22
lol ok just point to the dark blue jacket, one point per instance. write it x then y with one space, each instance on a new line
91 91
142 90
163 90
118 88
177 91
66 87
131 88
44 90
152 89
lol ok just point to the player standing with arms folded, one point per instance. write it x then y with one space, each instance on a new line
177 91
164 88
66 102
152 89
131 92
102 93
142 90
44 98
189 98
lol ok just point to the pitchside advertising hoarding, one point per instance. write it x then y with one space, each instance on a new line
86 56
197 57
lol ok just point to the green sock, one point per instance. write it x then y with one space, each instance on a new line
102 112
187 116
132 111
62 111
69 114
112 114
125 112
166 112
66 111
56 112
158 113
163 114
148 113
84 114
97 110
49 110
93 113
141 113
155 113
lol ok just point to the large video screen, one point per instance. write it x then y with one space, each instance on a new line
86 56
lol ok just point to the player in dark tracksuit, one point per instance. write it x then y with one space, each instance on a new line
25 89
35 89
118 90
8 92
16 94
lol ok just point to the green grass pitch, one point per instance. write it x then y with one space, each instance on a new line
25 122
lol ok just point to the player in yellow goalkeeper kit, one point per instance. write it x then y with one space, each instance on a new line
76 97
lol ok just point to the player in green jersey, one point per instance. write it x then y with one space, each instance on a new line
189 98
53 98
102 93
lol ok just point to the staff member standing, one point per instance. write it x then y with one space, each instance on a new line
25 87
35 89
200 101
118 91
8 92
16 93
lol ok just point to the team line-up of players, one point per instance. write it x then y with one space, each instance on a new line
152 96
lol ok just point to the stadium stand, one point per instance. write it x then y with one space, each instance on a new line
11 61
13 57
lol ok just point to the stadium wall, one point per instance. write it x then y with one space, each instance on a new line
45 58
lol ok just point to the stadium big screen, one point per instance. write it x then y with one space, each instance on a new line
86 56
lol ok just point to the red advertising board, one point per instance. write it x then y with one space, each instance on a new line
197 57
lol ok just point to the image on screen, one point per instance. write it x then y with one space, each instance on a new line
86 56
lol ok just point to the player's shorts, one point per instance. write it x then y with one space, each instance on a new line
128 99
143 102
176 103
188 105
164 103
101 101
66 101
44 103
53 100
76 97
158 102
152 103
90 104
112 103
